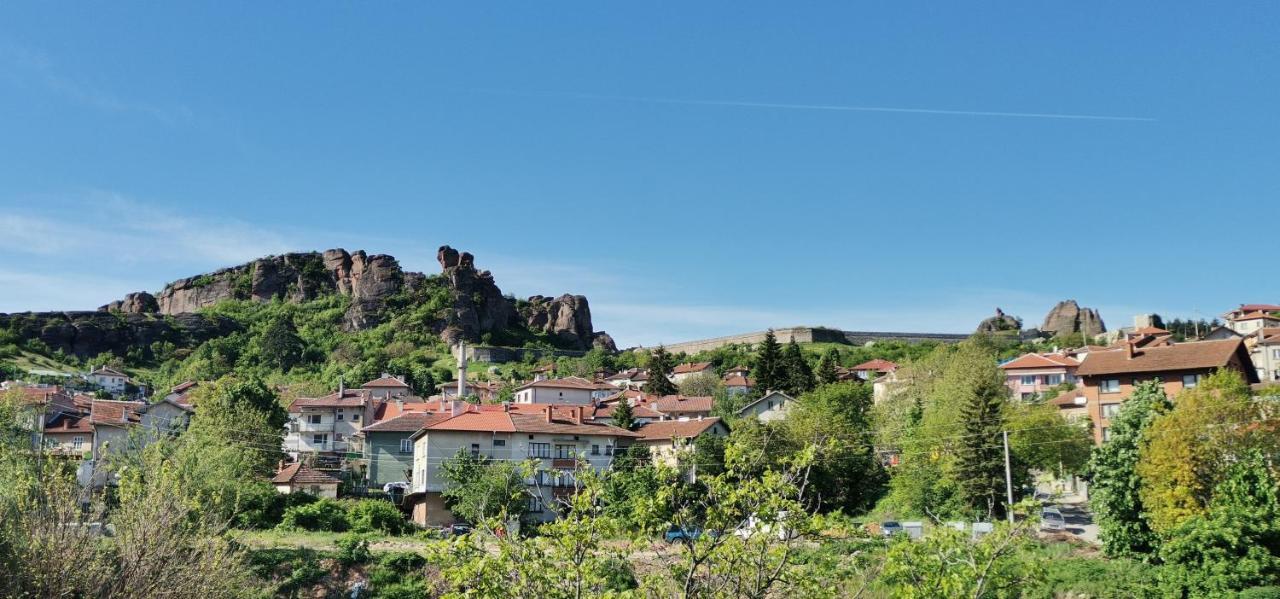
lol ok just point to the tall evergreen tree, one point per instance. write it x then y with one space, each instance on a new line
980 454
768 368
281 346
623 416
660 366
1113 467
827 367
798 376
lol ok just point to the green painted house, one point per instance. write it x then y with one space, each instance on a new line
388 449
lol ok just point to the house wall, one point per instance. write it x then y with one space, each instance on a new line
325 491
1013 380
770 408
111 384
387 464
109 439
1171 381
341 433
1266 359
554 395
64 443
164 418
433 448
387 392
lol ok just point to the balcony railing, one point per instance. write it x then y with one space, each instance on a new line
310 427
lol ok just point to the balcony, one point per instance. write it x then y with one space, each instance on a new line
565 463
322 427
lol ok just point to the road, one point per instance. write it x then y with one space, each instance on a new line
1079 521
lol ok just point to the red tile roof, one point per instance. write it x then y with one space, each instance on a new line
691 367
737 380
665 430
605 412
391 408
385 380
518 422
351 398
624 375
678 404
877 365
1151 331
1040 361
1256 315
104 371
299 474
63 422
115 413
407 422
1179 356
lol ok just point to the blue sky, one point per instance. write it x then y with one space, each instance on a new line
693 168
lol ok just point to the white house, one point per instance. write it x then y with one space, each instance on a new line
298 478
684 371
110 380
667 440
569 390
329 424
773 406
386 387
559 439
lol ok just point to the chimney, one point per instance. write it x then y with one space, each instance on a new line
453 407
548 413
1128 347
506 406
400 404
577 414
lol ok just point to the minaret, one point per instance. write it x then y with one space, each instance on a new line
462 368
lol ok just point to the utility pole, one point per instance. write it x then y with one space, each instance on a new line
1008 477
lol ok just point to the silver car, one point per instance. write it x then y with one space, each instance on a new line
1051 519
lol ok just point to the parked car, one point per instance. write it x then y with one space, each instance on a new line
754 525
890 528
396 487
460 528
676 534
1051 519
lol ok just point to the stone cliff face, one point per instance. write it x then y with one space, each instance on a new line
1067 317
87 334
1001 322
478 306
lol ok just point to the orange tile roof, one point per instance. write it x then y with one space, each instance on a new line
1256 315
676 404
518 422
1151 331
63 422
1179 356
605 411
1040 361
737 380
408 403
665 430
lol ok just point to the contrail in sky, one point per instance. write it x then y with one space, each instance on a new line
828 107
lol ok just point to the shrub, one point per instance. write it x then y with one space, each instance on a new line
324 514
376 515
1260 593
353 548
403 561
263 507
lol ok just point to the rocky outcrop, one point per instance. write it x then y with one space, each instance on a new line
1067 317
566 318
87 334
478 306
134 303
999 323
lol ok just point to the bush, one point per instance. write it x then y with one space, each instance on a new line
376 515
1260 593
323 514
353 549
263 507
403 561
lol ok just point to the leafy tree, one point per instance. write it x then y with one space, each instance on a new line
477 489
281 346
798 376
703 384
979 455
1113 469
948 564
769 370
827 367
1235 545
1042 439
660 366
623 415
1213 424
834 419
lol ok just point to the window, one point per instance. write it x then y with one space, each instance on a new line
539 450
319 439
564 452
475 450
1189 381
608 450
406 446
355 417
1106 434
314 419
534 505
1109 385
339 416
1028 379
595 450
499 442
77 443
1275 353
1109 410
1053 379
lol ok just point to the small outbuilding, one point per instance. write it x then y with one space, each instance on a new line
300 478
